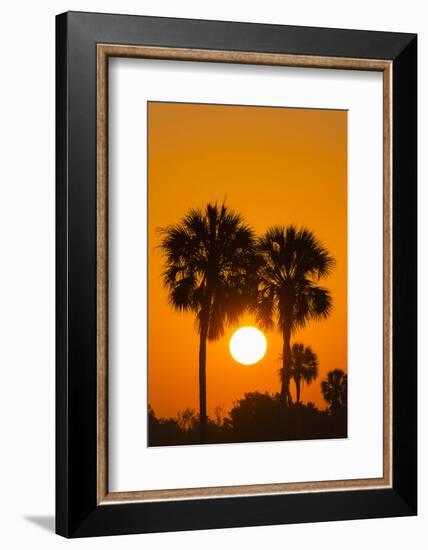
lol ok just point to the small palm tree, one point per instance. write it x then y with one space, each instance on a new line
304 367
335 389
210 269
293 261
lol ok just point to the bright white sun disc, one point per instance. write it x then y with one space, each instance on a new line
248 345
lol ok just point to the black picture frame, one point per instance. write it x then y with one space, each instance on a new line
77 512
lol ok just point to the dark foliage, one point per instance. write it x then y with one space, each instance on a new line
255 417
335 390
217 268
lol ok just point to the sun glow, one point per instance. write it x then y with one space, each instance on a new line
248 345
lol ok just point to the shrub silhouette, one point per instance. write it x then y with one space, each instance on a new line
252 418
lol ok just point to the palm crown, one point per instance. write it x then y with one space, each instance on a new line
293 261
335 389
209 266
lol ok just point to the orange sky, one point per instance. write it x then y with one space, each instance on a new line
274 166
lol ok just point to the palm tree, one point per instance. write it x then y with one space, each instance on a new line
335 389
293 263
304 366
210 269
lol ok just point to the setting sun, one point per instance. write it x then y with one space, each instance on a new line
248 345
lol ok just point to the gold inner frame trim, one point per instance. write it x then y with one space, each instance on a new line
104 51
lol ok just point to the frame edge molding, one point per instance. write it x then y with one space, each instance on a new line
77 512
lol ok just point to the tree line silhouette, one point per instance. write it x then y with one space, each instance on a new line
216 267
254 418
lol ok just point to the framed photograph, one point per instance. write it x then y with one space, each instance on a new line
236 274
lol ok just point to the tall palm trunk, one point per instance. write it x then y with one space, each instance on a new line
286 364
203 381
203 337
298 382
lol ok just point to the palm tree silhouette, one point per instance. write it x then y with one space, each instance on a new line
304 367
335 389
293 261
210 269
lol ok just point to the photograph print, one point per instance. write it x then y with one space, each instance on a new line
247 273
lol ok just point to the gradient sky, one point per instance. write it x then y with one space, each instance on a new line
276 166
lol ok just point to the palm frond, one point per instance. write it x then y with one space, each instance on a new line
311 303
